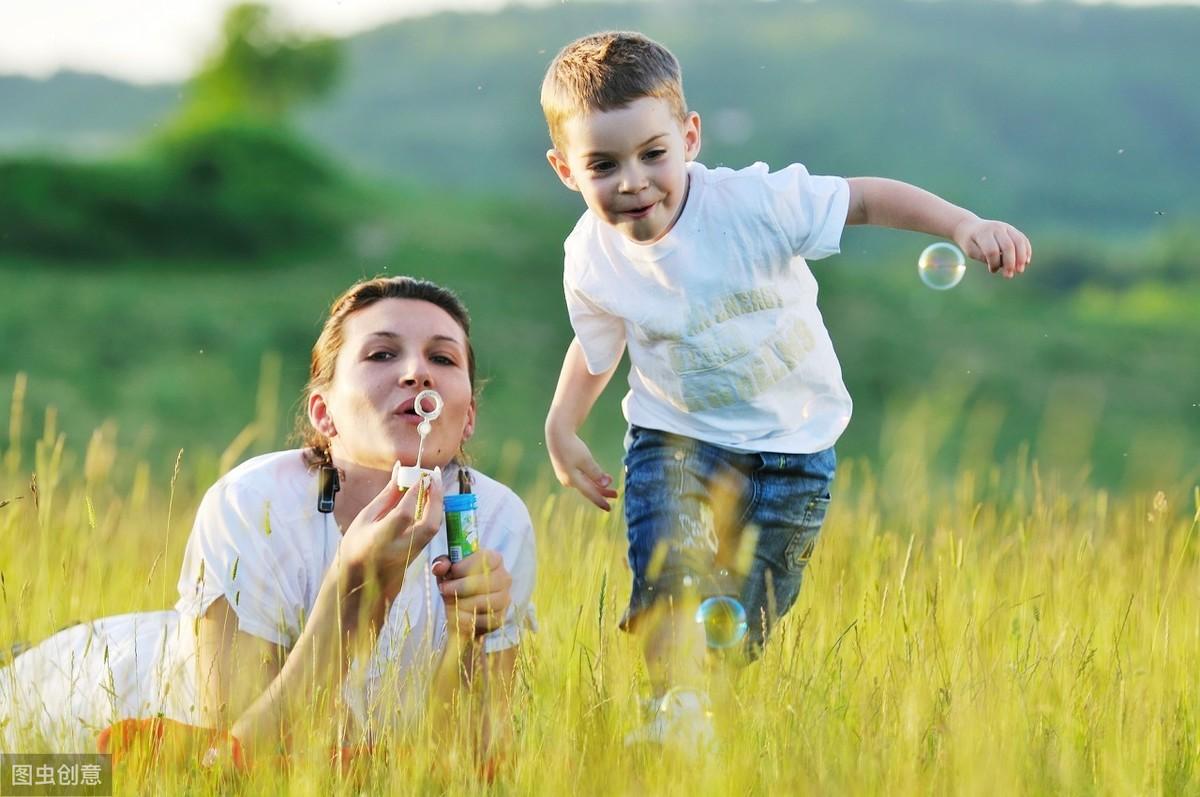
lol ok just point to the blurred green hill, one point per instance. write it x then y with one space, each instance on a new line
1098 378
225 191
1046 113
79 113
1050 114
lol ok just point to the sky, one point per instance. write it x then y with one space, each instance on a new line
148 41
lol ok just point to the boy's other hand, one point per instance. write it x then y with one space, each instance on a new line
575 467
1003 247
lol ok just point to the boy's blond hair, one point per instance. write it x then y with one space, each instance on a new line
605 71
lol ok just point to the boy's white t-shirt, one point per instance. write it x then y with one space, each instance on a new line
726 343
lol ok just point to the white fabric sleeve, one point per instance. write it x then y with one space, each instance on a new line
230 553
513 539
811 210
601 335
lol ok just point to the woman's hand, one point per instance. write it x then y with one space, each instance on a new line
161 743
391 531
475 592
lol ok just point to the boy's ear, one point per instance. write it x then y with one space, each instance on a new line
558 162
691 136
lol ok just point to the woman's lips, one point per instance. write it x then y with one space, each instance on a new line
408 413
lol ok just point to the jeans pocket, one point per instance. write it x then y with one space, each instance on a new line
804 538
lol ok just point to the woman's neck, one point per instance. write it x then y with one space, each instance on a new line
359 486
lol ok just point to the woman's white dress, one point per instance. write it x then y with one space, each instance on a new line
259 541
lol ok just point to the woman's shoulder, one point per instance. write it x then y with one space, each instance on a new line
281 478
269 466
499 504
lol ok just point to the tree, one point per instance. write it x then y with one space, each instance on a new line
260 71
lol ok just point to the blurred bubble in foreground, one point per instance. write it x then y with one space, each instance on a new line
724 621
941 266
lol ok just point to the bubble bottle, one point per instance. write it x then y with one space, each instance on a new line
462 524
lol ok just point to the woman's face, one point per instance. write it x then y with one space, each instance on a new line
392 350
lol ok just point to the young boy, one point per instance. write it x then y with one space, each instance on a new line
736 396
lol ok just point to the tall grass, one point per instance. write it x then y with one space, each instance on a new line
1006 632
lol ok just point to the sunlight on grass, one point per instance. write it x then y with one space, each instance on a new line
1006 632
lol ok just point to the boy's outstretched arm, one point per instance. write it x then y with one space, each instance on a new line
891 203
574 398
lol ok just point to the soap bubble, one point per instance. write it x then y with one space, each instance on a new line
941 266
724 621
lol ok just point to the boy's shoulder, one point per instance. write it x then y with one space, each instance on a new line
582 244
755 177
587 228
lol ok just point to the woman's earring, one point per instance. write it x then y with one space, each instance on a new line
328 484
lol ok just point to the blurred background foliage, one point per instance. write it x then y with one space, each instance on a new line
261 70
167 251
225 189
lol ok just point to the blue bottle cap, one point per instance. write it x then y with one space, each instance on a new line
460 503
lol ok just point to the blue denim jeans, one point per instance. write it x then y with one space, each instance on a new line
704 518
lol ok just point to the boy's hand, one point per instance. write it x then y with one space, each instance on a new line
1002 246
575 467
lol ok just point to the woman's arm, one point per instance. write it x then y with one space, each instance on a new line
349 610
499 670
232 667
470 683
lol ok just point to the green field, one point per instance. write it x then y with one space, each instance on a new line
1039 639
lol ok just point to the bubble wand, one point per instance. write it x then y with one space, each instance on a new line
406 477
427 417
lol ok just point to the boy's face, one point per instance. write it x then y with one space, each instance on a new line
630 165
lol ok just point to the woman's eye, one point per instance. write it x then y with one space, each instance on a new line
442 359
380 355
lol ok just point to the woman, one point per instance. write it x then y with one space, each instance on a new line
283 607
